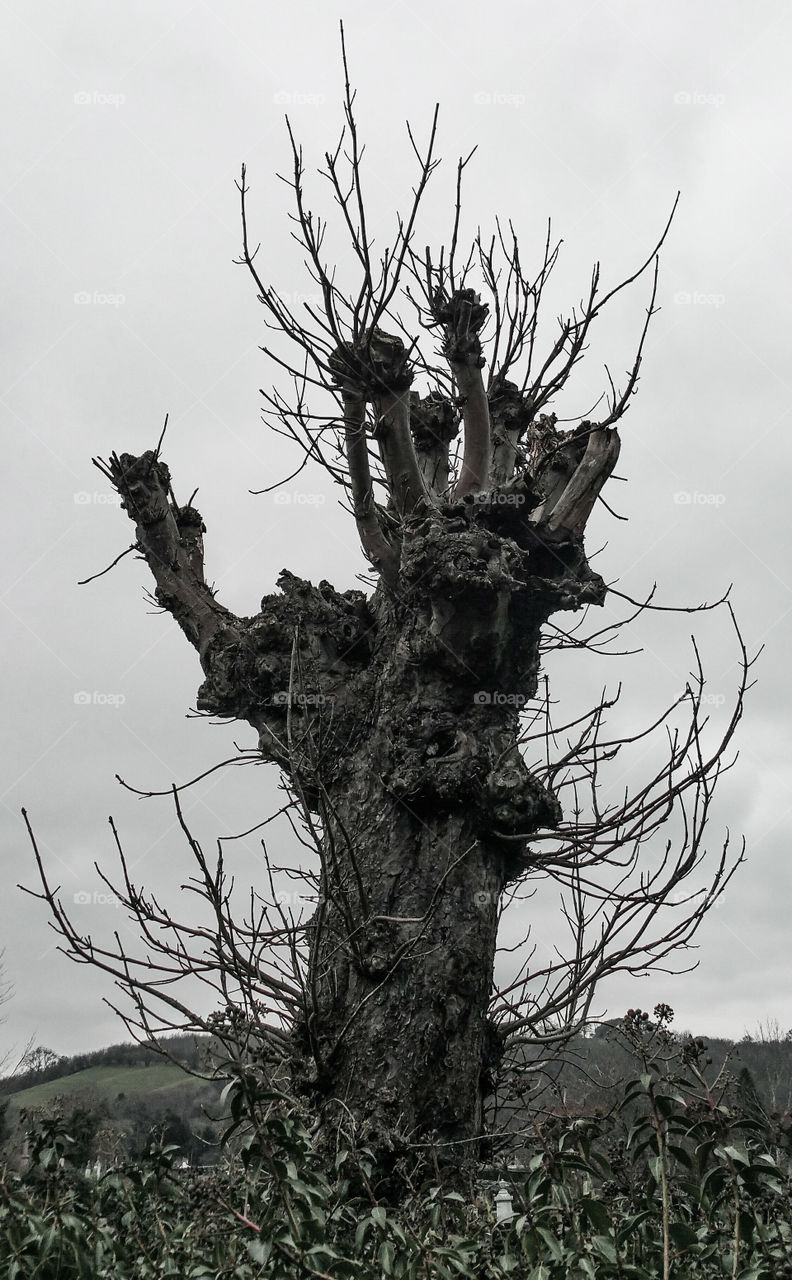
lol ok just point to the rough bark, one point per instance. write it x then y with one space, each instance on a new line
396 719
462 317
434 423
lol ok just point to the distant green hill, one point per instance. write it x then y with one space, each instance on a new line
115 1101
108 1082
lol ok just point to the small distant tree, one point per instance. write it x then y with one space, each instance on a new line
606 1029
6 992
747 1093
38 1059
173 1128
773 1063
427 772
83 1117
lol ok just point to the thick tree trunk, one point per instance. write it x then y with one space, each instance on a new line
396 720
400 731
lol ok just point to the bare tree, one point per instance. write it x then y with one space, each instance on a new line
425 771
6 992
12 1059
774 1061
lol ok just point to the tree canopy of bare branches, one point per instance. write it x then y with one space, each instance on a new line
425 774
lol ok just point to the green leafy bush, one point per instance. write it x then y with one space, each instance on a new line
683 1180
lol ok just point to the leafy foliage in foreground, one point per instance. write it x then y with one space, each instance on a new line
686 1181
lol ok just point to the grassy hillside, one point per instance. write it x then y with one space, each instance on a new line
112 1110
108 1082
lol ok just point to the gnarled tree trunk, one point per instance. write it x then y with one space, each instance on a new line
396 719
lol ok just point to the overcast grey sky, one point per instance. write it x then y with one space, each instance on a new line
125 129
